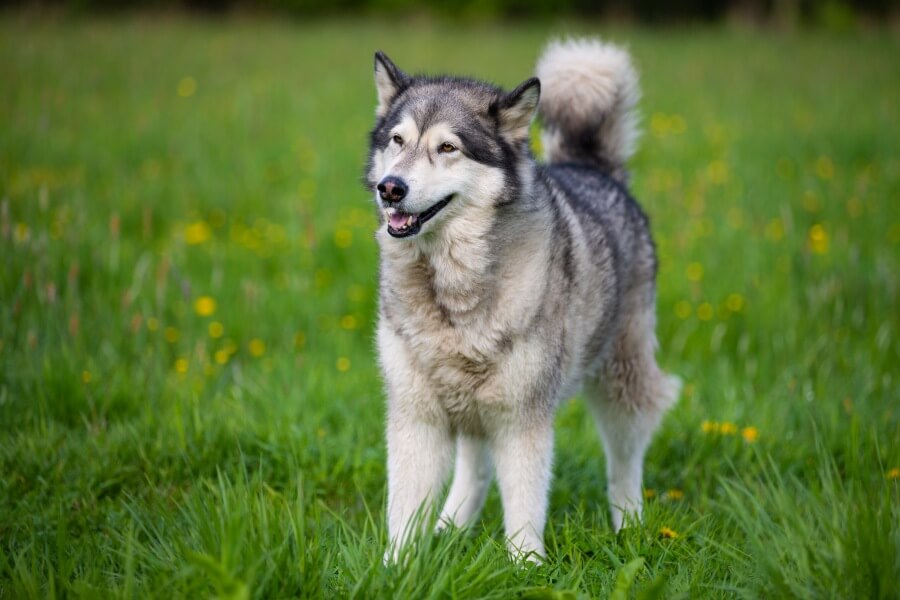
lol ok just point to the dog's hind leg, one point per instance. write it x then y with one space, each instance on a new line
628 402
471 479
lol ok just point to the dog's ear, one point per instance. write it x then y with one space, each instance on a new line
515 110
389 81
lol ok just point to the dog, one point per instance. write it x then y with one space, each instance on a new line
508 285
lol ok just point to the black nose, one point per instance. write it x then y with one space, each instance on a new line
392 189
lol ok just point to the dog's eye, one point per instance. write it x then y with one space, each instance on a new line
397 140
446 148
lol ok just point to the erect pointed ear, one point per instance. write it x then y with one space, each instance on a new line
515 110
389 81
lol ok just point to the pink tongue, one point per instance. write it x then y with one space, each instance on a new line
398 220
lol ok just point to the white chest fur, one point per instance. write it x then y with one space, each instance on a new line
457 319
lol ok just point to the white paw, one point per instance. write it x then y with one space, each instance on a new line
526 551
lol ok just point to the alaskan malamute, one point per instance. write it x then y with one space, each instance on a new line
508 285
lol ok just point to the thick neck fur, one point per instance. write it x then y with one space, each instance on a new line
450 269
453 273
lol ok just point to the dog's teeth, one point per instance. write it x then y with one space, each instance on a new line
409 221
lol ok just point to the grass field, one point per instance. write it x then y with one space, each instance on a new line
189 402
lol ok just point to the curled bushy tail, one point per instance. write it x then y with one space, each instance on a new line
588 94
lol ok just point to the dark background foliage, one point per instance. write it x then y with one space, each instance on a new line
831 13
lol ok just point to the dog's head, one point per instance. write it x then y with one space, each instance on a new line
443 144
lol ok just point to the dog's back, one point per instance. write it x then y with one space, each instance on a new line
589 132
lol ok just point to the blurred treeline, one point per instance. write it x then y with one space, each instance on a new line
830 13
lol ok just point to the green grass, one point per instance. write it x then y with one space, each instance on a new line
148 162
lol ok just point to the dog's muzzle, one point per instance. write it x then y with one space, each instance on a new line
401 224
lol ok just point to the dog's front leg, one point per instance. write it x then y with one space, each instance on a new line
471 480
523 458
419 456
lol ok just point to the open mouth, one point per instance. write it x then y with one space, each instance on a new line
401 224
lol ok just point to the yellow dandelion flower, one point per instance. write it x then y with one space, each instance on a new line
250 239
674 494
343 238
257 347
343 364
810 202
818 239
894 473
695 271
734 302
718 172
356 293
152 324
683 309
197 233
86 377
348 322
659 124
321 433
187 86
825 168
848 405
205 306
21 233
709 427
774 230
221 356
705 311
728 428
216 329
750 434
230 347
649 493
299 340
894 233
171 334
181 366
668 533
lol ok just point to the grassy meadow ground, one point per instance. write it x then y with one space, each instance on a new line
189 402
